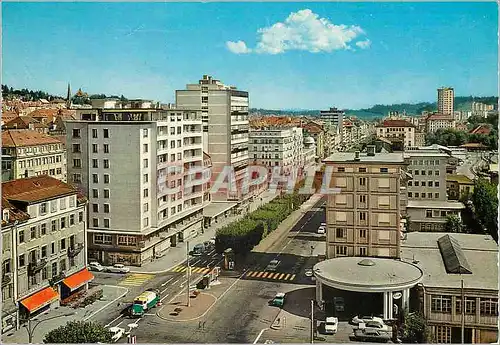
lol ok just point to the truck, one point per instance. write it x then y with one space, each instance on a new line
144 302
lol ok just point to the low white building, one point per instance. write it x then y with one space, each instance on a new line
43 246
433 122
397 130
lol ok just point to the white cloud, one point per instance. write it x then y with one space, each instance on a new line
239 47
302 30
364 44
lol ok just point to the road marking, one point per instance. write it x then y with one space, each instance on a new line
254 273
265 274
162 285
119 316
288 275
183 269
281 276
260 334
260 274
275 275
247 274
177 269
136 279
161 299
292 277
105 306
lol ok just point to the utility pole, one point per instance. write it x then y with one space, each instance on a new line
188 274
312 321
463 311
31 331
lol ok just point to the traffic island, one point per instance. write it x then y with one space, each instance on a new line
178 311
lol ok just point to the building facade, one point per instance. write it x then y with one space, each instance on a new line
141 167
33 154
333 117
43 246
446 100
401 130
363 219
433 122
224 113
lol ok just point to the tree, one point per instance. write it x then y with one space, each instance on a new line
453 224
485 201
414 328
78 332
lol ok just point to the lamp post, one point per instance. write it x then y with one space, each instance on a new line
188 273
31 330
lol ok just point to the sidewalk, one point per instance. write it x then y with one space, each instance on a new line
175 256
110 295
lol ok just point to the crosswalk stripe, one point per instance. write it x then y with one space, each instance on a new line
178 268
287 276
183 269
265 274
275 276
254 274
248 274
205 270
292 277
197 270
281 276
260 274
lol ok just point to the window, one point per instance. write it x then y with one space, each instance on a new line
429 172
52 248
32 232
62 264
102 239
94 133
417 194
341 250
94 148
384 170
436 195
383 183
106 194
80 217
21 236
362 233
106 208
488 306
410 194
71 219
443 213
77 163
45 273
145 148
95 163
145 133
362 216
146 221
106 148
172 144
417 172
423 183
22 260
77 178
362 170
76 133
106 164
341 199
145 207
363 251
105 133
95 178
95 208
410 183
443 334
43 229
341 182
106 223
63 244
58 171
95 222
43 208
436 184
145 192
422 173
436 172
341 169
145 163
429 183
106 178
384 218
383 200
145 178
428 213
429 195
362 181
54 269
362 198
340 233
95 193
441 304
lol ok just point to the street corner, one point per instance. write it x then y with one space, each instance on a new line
178 311
298 301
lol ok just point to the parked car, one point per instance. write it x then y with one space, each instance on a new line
198 250
273 265
371 335
95 266
309 272
338 302
323 224
118 268
278 300
117 333
331 325
321 230
364 319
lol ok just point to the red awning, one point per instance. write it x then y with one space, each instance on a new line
76 280
40 299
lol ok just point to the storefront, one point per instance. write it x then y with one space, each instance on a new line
38 302
76 283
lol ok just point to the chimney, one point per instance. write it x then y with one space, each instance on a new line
370 149
356 156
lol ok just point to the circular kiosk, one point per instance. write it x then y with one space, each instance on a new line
365 286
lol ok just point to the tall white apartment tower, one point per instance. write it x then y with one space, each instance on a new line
224 111
446 98
133 160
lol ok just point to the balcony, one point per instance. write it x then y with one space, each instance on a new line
36 266
75 250
56 279
193 158
6 279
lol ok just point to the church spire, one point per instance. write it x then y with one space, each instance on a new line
68 97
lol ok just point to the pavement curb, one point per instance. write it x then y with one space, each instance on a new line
194 318
277 325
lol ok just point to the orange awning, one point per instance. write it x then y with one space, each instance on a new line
76 280
40 299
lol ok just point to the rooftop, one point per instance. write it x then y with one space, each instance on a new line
395 123
35 189
430 204
459 178
348 157
26 137
480 251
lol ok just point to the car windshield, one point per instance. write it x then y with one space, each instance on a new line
331 323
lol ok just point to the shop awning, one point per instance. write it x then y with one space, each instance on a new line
40 299
78 279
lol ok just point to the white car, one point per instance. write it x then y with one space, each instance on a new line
118 268
331 325
364 319
323 224
95 266
309 272
117 333
273 265
374 324
321 230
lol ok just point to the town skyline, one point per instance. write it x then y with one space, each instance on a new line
287 58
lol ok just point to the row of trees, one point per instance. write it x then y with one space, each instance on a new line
243 235
25 94
453 137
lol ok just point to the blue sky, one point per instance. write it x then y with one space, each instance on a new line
287 55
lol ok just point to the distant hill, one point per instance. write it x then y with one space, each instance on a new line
381 110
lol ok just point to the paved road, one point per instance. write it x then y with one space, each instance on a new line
243 311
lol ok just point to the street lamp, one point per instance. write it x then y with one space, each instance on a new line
32 330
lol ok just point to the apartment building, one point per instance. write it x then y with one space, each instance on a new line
43 246
30 153
364 218
448 261
428 205
137 163
224 112
333 117
433 122
277 147
318 133
397 130
446 100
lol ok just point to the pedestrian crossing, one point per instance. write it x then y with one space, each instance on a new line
136 279
269 275
194 269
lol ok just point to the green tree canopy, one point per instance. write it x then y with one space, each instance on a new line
453 224
485 201
78 332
